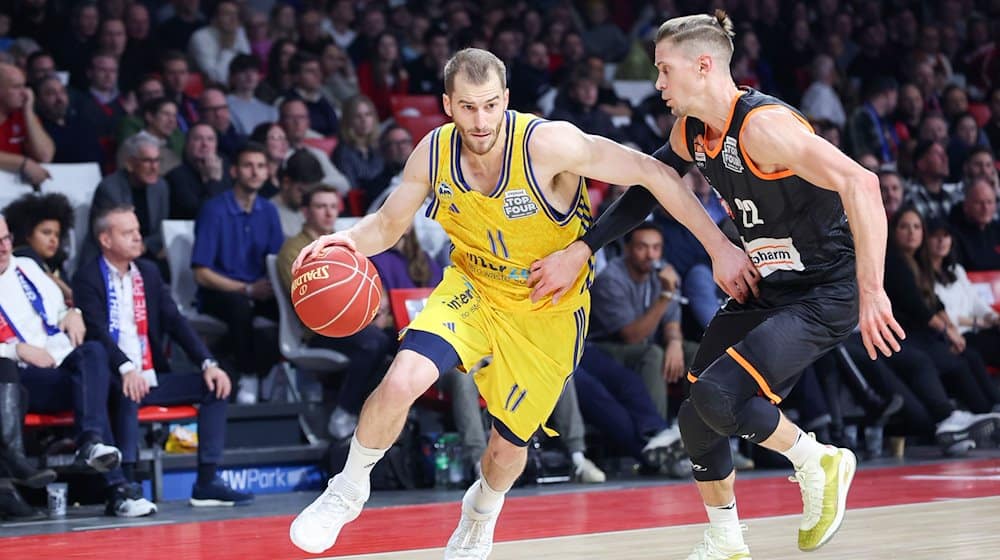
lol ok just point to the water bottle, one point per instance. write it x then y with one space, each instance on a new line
441 466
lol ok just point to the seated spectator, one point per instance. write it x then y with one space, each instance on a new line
395 145
891 186
820 100
160 122
607 98
603 35
530 78
910 286
407 265
15 468
340 80
111 39
981 164
24 144
929 193
278 79
140 49
74 140
175 33
307 81
40 65
139 183
975 319
366 350
214 46
651 124
229 265
120 282
427 71
992 127
382 74
976 228
965 137
614 399
909 112
246 110
299 173
73 47
338 25
200 176
312 38
175 72
56 365
868 129
214 111
272 137
149 88
294 119
357 154
635 315
580 108
101 105
40 225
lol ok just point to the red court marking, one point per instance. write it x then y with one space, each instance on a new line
428 526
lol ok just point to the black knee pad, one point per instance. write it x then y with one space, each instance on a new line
725 397
711 458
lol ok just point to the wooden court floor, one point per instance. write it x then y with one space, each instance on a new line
948 510
963 529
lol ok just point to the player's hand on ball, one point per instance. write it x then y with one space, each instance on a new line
734 273
322 244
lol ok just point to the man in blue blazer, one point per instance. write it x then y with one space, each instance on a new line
132 313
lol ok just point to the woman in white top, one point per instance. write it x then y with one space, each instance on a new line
973 316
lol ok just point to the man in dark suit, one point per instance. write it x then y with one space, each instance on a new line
131 313
140 185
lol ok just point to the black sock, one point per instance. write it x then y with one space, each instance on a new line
206 473
129 470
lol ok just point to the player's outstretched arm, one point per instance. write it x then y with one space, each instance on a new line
776 137
608 161
381 230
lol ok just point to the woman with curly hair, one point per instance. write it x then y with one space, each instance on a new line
39 224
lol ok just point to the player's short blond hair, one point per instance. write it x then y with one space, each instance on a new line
712 32
476 65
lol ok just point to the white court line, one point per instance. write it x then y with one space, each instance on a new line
125 525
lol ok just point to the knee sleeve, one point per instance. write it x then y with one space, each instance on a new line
711 458
725 397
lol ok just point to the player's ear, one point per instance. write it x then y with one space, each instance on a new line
506 97
446 102
705 64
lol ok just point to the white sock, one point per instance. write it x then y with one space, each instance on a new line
360 461
723 516
577 457
804 448
484 498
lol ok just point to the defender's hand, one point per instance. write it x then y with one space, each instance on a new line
556 273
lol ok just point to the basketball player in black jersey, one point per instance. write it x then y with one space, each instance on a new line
787 190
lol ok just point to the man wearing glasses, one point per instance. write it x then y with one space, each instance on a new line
214 110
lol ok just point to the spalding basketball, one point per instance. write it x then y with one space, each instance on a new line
338 293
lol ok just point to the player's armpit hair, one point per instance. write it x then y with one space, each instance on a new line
620 218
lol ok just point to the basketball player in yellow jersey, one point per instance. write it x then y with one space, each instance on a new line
508 189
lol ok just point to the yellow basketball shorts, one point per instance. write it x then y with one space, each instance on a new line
533 353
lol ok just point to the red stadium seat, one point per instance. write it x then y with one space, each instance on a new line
147 415
195 85
980 112
418 127
415 105
988 281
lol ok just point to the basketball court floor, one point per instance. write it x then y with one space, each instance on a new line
918 509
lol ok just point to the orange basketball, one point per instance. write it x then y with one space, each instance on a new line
338 293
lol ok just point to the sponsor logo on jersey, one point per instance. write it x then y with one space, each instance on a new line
770 254
731 156
461 299
485 268
444 189
518 204
699 151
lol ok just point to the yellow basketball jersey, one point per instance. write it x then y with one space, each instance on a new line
497 236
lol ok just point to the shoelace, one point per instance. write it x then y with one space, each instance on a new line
472 537
809 486
331 505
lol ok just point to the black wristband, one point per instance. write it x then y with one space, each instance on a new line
620 218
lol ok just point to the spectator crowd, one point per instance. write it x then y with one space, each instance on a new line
263 122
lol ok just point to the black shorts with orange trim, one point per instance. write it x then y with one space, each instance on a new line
778 335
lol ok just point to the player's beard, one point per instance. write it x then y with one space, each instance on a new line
472 144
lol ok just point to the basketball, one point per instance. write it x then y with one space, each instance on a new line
338 293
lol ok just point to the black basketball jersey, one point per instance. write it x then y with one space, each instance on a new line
795 232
